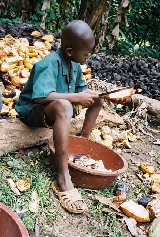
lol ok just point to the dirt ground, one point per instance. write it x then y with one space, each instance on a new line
102 224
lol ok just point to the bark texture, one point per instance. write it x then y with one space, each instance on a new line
152 105
16 135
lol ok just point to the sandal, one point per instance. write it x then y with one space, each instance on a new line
67 198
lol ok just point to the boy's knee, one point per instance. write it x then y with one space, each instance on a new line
98 102
64 108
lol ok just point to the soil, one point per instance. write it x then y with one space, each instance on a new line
76 225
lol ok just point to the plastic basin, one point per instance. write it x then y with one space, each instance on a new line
94 179
10 224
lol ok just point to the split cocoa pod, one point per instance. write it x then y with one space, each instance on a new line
136 211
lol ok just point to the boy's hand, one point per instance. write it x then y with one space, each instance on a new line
87 97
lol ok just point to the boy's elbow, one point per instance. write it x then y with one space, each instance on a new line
41 100
37 101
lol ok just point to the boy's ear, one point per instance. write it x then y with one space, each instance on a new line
69 51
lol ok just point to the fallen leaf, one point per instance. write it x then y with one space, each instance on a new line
34 202
132 227
107 210
3 167
23 184
108 202
13 187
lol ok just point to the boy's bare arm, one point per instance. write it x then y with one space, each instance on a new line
84 98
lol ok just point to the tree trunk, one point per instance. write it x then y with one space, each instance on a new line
152 105
92 13
101 30
45 7
16 135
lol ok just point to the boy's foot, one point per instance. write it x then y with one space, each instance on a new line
70 200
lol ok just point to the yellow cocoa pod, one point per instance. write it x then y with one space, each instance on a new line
5 67
49 38
12 113
138 212
147 168
155 188
15 80
2 54
36 34
27 64
33 54
31 48
4 110
155 177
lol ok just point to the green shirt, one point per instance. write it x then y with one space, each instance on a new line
50 75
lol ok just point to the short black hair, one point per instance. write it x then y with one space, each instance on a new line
76 32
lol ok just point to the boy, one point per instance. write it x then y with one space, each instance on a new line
55 85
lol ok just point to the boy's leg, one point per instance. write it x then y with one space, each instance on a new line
59 114
91 116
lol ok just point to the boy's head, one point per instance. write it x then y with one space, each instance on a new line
77 41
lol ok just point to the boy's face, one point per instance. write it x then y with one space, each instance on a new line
81 54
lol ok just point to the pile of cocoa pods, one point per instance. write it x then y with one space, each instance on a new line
141 74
